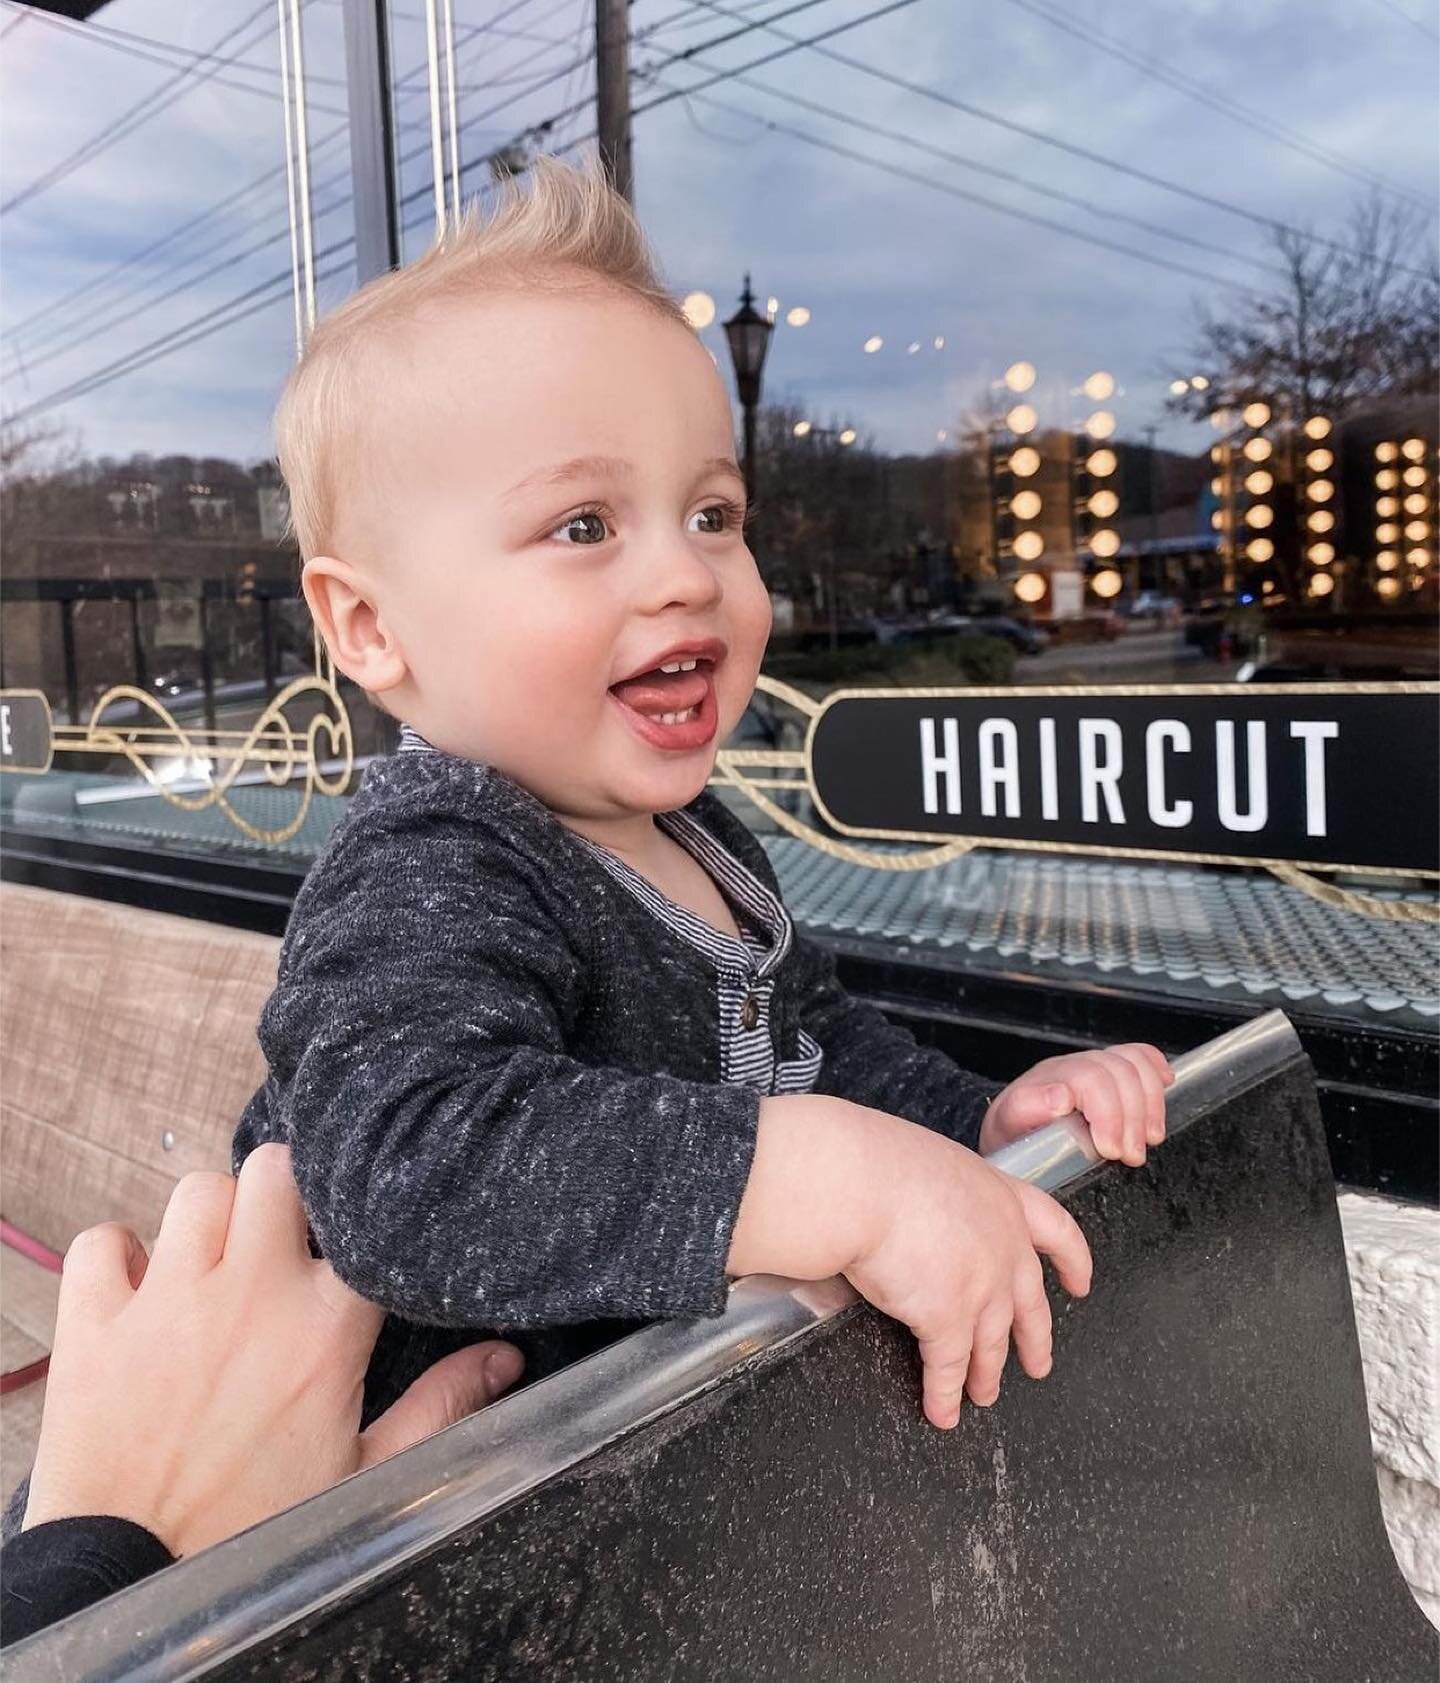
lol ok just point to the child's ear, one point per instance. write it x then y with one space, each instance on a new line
343 605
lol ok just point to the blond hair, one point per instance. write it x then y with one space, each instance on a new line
563 229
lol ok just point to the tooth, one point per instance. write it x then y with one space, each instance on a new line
687 665
673 667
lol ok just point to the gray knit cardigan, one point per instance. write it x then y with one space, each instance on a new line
498 1072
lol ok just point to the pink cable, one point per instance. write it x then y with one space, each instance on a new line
22 1242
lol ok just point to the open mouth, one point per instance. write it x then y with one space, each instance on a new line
672 705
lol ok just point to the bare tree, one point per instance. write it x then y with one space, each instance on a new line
1355 318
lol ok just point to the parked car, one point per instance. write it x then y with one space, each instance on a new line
1023 638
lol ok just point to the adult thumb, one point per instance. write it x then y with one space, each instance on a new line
443 1394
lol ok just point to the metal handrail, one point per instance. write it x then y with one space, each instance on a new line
197 1615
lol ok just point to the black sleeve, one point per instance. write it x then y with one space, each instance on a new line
66 1564
457 1166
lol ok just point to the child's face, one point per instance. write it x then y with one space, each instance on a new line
565 515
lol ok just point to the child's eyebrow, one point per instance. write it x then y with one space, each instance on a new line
602 467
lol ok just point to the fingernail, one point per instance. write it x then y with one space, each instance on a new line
503 1368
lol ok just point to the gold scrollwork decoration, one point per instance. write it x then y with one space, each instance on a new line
321 750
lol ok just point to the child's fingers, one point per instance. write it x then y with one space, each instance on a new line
1055 1233
1154 1086
1152 1056
1031 1104
1032 1330
947 1362
988 1352
1133 1105
1098 1098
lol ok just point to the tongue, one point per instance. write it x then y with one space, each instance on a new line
663 692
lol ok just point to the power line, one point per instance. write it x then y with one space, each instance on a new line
258 296
1269 223
850 120
1223 103
1414 22
139 113
953 191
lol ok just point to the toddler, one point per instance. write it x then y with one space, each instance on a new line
546 1046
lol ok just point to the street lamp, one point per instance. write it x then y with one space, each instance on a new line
748 333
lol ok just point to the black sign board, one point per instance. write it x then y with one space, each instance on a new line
25 736
1304 774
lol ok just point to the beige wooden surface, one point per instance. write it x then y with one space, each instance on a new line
118 1028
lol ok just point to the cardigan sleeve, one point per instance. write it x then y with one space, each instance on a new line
457 1166
874 1062
58 1568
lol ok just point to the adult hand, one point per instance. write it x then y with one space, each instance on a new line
206 1387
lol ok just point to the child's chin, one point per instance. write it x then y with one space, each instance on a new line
663 788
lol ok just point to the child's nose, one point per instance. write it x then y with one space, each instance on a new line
678 575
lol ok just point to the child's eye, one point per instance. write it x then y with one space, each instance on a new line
719 517
587 527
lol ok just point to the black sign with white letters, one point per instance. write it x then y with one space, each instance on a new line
1304 774
25 735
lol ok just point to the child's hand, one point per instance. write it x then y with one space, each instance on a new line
957 1259
1119 1091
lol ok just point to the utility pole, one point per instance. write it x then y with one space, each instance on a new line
612 92
1159 574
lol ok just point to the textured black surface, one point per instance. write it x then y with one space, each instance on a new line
1190 1496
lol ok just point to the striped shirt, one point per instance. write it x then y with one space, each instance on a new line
744 970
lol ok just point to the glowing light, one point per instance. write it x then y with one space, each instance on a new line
1414 476
1268 588
1413 449
1418 557
797 315
1415 504
1025 461
1219 453
1387 560
801 429
1321 584
1022 418
1386 507
1255 414
1217 486
912 347
1320 461
1417 531
699 308
1105 542
1317 427
1030 587
772 306
1386 452
873 344
1020 376
1199 383
1099 385
1103 504
941 436
848 436
1388 587
1107 583
1100 464
1029 546
1025 505
1322 520
1258 450
1387 534
1259 483
1387 479
1320 554
1178 388
1220 419
1259 549
1101 424
1219 520
1319 490
1261 516
938 341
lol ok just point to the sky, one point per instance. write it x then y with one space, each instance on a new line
1289 110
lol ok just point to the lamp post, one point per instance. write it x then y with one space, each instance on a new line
748 334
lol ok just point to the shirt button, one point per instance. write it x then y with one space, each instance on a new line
749 1012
